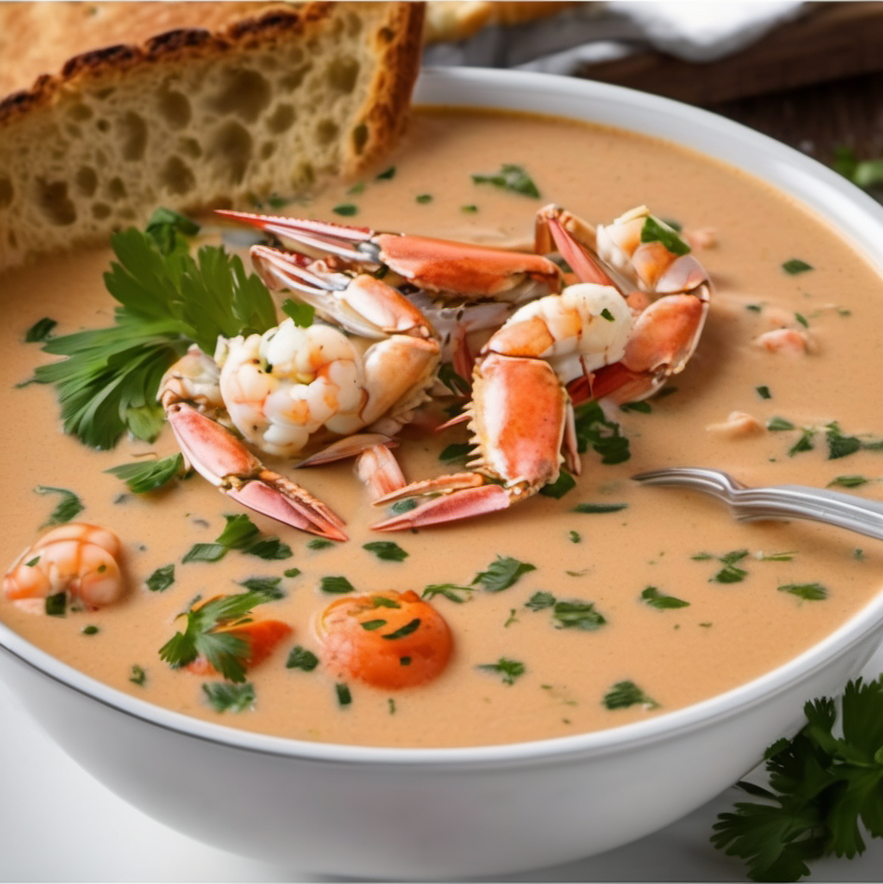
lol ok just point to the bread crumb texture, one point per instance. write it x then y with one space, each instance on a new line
194 119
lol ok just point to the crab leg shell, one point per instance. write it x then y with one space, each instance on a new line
218 456
450 507
439 265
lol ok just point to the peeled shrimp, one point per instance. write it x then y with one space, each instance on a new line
77 559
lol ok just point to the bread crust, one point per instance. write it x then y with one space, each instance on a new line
370 120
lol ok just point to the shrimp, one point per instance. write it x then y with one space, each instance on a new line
79 560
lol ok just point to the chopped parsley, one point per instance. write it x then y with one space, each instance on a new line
599 507
345 209
336 585
149 475
795 266
626 693
386 550
226 697
655 599
595 431
387 174
509 670
502 573
91 629
810 592
56 605
655 230
574 614
301 658
301 314
512 178
137 675
448 590
850 481
67 509
344 697
40 331
161 579
242 534
557 489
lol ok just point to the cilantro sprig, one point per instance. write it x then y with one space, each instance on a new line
168 300
825 792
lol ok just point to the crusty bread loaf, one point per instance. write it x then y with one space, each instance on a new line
194 118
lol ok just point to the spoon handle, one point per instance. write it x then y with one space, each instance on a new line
778 501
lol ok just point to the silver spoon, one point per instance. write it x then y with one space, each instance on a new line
776 502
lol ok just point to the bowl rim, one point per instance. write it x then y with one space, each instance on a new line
811 184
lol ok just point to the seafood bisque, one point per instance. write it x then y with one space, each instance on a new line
465 560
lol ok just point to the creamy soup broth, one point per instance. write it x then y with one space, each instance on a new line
668 539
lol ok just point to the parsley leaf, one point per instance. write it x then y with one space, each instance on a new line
822 791
209 633
448 590
336 585
502 573
161 579
510 177
655 230
168 300
593 430
301 658
508 669
149 475
40 331
242 534
653 597
68 508
226 697
626 693
386 550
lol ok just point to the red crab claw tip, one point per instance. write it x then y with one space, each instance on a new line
462 504
294 507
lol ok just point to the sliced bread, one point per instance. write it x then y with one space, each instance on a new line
193 118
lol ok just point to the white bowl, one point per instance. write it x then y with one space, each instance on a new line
445 813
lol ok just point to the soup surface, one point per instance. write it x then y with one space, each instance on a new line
691 603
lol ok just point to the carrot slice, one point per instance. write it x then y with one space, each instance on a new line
386 639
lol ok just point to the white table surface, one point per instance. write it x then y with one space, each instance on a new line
57 824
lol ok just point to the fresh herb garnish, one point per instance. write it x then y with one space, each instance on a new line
402 631
657 231
68 508
137 675
336 585
823 790
301 314
55 605
168 301
319 543
269 586
810 592
448 590
161 579
626 693
208 633
301 658
731 572
795 266
345 209
594 430
242 534
508 669
344 697
40 331
387 174
456 451
149 475
510 177
386 550
502 573
226 697
851 481
656 599
574 614
764 392
90 629
557 489
423 198
599 507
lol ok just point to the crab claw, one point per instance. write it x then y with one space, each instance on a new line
463 504
437 265
218 456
